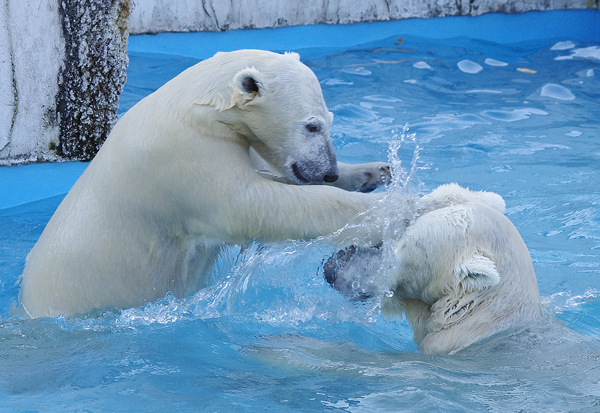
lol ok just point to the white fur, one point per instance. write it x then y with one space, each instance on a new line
463 271
174 181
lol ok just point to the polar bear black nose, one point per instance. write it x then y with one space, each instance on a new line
331 177
310 173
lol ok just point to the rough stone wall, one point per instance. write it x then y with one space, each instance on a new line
62 68
154 16
93 74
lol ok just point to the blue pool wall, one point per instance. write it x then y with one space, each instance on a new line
501 28
27 183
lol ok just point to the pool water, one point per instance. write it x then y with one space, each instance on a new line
269 334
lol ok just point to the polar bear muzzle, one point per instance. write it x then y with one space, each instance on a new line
312 172
306 174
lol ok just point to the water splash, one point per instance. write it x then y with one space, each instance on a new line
400 204
360 271
401 179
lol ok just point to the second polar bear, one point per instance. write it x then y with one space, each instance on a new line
459 271
175 181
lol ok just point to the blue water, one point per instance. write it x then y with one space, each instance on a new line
269 334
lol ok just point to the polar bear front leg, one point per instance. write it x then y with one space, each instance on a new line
364 177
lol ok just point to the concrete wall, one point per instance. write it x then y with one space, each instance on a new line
153 16
62 67
31 48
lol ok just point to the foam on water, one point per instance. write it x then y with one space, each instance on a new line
512 115
563 45
555 91
469 66
421 65
592 52
494 62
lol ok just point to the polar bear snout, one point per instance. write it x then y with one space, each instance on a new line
308 173
315 161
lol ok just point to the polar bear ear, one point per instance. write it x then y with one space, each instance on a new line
477 273
248 85
492 199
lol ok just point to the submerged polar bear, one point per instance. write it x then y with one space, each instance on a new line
460 271
174 181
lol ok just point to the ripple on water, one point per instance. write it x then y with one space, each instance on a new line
592 52
382 98
552 90
512 115
563 45
361 71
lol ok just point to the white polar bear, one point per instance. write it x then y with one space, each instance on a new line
174 181
460 271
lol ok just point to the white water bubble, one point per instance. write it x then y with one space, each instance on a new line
411 81
574 133
494 62
469 66
563 45
552 90
590 73
421 65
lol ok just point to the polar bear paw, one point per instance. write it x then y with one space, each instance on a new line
364 177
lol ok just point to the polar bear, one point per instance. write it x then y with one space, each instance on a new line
175 181
460 271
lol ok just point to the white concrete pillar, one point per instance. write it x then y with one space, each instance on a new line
62 67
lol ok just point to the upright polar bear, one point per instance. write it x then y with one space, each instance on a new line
460 271
174 181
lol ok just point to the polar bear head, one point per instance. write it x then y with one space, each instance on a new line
447 250
462 272
276 103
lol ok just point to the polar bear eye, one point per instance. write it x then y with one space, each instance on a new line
313 127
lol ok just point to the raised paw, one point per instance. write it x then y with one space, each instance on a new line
364 177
